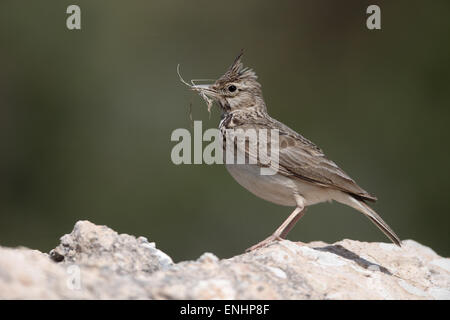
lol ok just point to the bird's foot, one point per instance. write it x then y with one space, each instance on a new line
265 242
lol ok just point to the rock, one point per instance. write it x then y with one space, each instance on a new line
94 262
100 247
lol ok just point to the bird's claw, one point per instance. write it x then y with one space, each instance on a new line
265 242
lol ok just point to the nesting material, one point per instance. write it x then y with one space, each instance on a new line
209 101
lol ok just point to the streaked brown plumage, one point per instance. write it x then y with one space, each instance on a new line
305 176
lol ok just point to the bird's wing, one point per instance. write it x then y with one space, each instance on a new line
302 159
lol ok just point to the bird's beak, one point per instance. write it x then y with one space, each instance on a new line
206 89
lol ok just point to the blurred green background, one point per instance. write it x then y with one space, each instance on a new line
86 117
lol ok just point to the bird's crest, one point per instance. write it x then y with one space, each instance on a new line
237 72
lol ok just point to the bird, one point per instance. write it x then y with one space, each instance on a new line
304 175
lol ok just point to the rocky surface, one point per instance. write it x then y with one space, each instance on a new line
94 262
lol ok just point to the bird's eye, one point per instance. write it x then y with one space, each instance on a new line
232 88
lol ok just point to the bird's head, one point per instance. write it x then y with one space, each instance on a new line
237 89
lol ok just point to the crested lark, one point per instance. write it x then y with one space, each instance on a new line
304 175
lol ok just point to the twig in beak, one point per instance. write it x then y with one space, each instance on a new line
190 114
181 78
196 80
209 101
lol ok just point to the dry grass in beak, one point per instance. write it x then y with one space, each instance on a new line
208 100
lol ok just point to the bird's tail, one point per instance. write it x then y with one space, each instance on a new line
369 213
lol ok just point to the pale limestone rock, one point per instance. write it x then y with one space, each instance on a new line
94 262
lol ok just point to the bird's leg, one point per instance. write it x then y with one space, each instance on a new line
284 229
290 222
